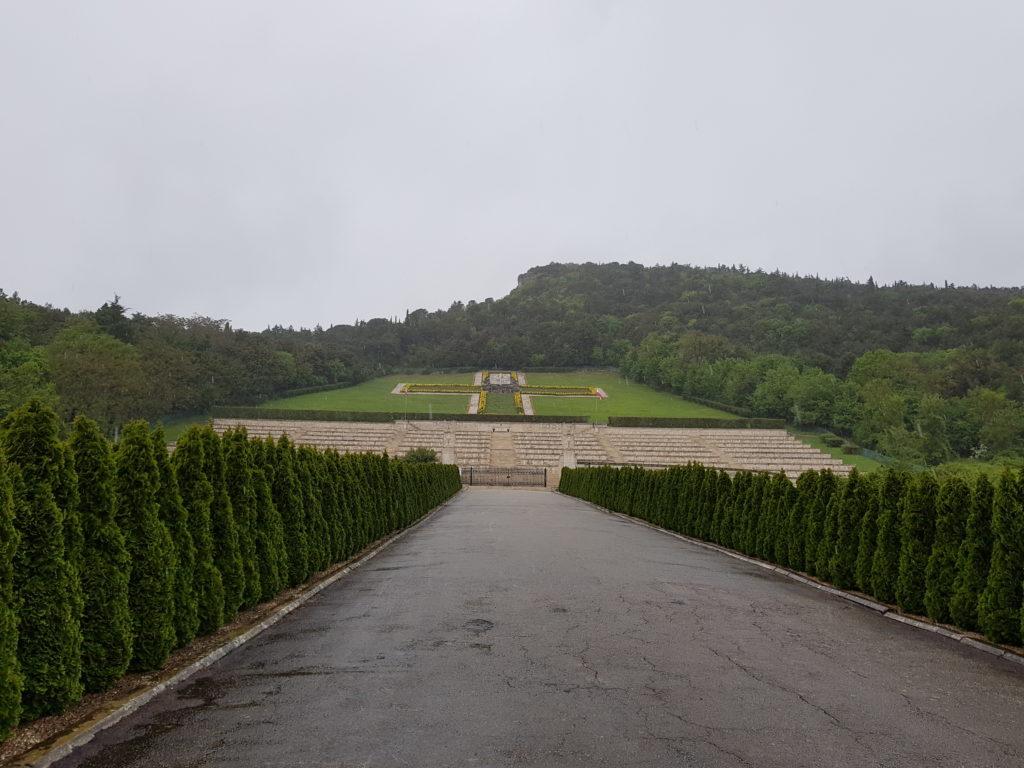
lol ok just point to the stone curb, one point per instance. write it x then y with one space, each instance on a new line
880 608
136 702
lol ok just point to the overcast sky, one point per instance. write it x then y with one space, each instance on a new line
318 162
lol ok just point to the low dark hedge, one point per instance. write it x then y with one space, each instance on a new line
695 423
314 389
850 449
833 441
282 414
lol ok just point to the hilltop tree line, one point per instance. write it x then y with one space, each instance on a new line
950 550
113 555
922 372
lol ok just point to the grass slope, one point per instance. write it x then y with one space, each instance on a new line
814 439
375 395
501 405
625 398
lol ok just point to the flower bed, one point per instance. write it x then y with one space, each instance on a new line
518 398
483 403
564 391
442 389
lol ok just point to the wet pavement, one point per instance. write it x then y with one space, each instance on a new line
523 628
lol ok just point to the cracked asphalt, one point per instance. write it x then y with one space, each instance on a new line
523 628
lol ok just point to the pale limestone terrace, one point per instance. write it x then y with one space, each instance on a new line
554 446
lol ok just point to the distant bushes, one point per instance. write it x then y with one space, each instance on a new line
952 551
112 556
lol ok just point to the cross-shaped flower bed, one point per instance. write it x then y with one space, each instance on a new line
503 382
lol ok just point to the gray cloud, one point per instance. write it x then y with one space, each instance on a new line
318 162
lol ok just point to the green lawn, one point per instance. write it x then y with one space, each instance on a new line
174 426
501 404
375 395
814 439
625 398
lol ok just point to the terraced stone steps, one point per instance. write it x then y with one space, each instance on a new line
556 445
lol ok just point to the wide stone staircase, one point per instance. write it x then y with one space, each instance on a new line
555 445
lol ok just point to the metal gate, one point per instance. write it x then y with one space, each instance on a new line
505 476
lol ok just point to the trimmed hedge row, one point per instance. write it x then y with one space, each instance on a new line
282 414
695 423
113 555
952 552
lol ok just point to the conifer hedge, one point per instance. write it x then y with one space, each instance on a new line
10 671
49 632
954 551
106 617
151 580
112 555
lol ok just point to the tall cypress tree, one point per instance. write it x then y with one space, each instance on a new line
288 500
723 502
359 504
151 582
917 531
868 537
226 554
10 671
735 528
196 490
49 633
974 557
175 518
270 548
106 618
65 493
817 512
331 508
238 471
952 505
705 502
752 511
316 534
785 499
764 536
806 489
885 562
999 609
853 502
829 531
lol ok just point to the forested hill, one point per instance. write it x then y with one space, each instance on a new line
920 371
827 323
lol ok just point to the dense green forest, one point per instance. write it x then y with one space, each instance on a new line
923 373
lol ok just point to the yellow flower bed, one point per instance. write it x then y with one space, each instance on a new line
515 377
518 398
564 391
441 389
483 403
